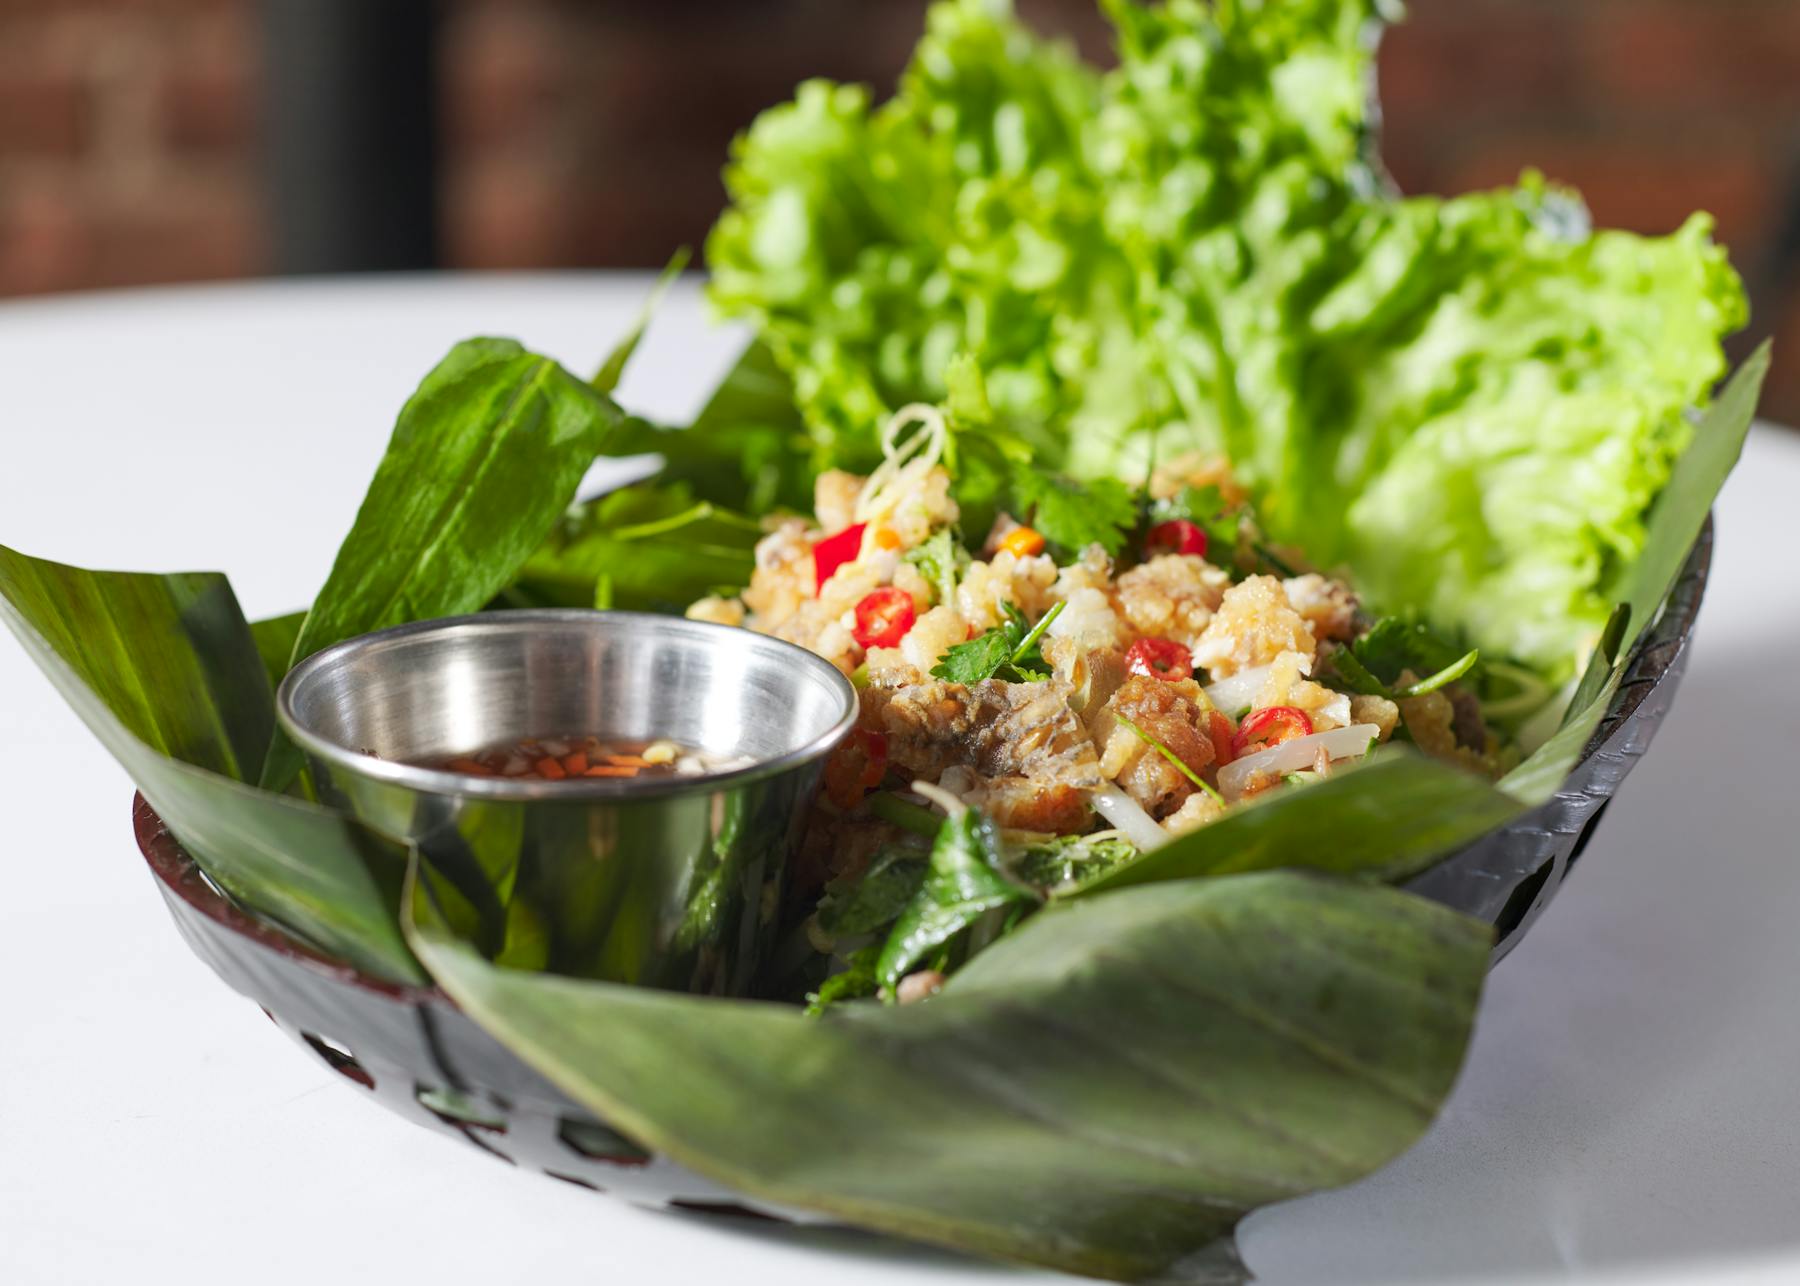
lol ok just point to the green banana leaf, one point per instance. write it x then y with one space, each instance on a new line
1387 819
1674 525
1680 510
1107 1091
166 673
484 459
275 638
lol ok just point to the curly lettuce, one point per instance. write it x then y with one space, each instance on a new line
1471 402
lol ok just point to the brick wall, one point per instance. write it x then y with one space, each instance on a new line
590 132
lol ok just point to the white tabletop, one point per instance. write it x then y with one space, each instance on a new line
1631 1104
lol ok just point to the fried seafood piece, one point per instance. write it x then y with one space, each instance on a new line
1093 675
1328 605
1172 596
1255 624
1026 804
1170 713
994 729
1433 722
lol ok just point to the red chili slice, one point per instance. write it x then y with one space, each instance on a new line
883 617
1162 659
834 551
1177 536
1270 727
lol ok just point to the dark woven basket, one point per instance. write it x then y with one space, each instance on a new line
416 1053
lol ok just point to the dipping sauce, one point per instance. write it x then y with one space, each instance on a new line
564 758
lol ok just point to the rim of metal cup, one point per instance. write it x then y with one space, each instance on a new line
439 781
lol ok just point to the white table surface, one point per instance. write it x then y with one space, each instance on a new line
1631 1106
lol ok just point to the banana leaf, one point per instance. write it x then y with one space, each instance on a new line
1108 1091
1674 525
1681 508
166 672
275 638
484 459
1388 819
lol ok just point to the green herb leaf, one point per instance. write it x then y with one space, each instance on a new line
1009 652
962 883
606 379
1074 515
855 982
748 447
485 458
876 898
648 547
1443 678
998 1117
907 816
941 560
166 673
1072 859
1397 643
982 657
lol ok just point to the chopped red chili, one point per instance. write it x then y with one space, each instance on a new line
1177 536
1160 659
883 617
1270 727
834 551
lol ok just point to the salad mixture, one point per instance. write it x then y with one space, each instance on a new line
1217 537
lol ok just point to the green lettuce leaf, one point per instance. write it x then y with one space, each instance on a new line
1472 402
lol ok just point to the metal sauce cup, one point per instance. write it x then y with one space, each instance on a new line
666 882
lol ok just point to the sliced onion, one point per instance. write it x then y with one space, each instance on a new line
1129 816
1233 694
1292 756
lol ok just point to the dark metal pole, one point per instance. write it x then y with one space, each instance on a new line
351 127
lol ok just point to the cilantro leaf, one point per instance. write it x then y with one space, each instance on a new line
982 657
1397 643
1009 651
1074 515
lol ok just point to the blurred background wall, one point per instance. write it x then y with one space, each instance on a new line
148 141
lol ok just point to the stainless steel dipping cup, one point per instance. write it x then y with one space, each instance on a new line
668 882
